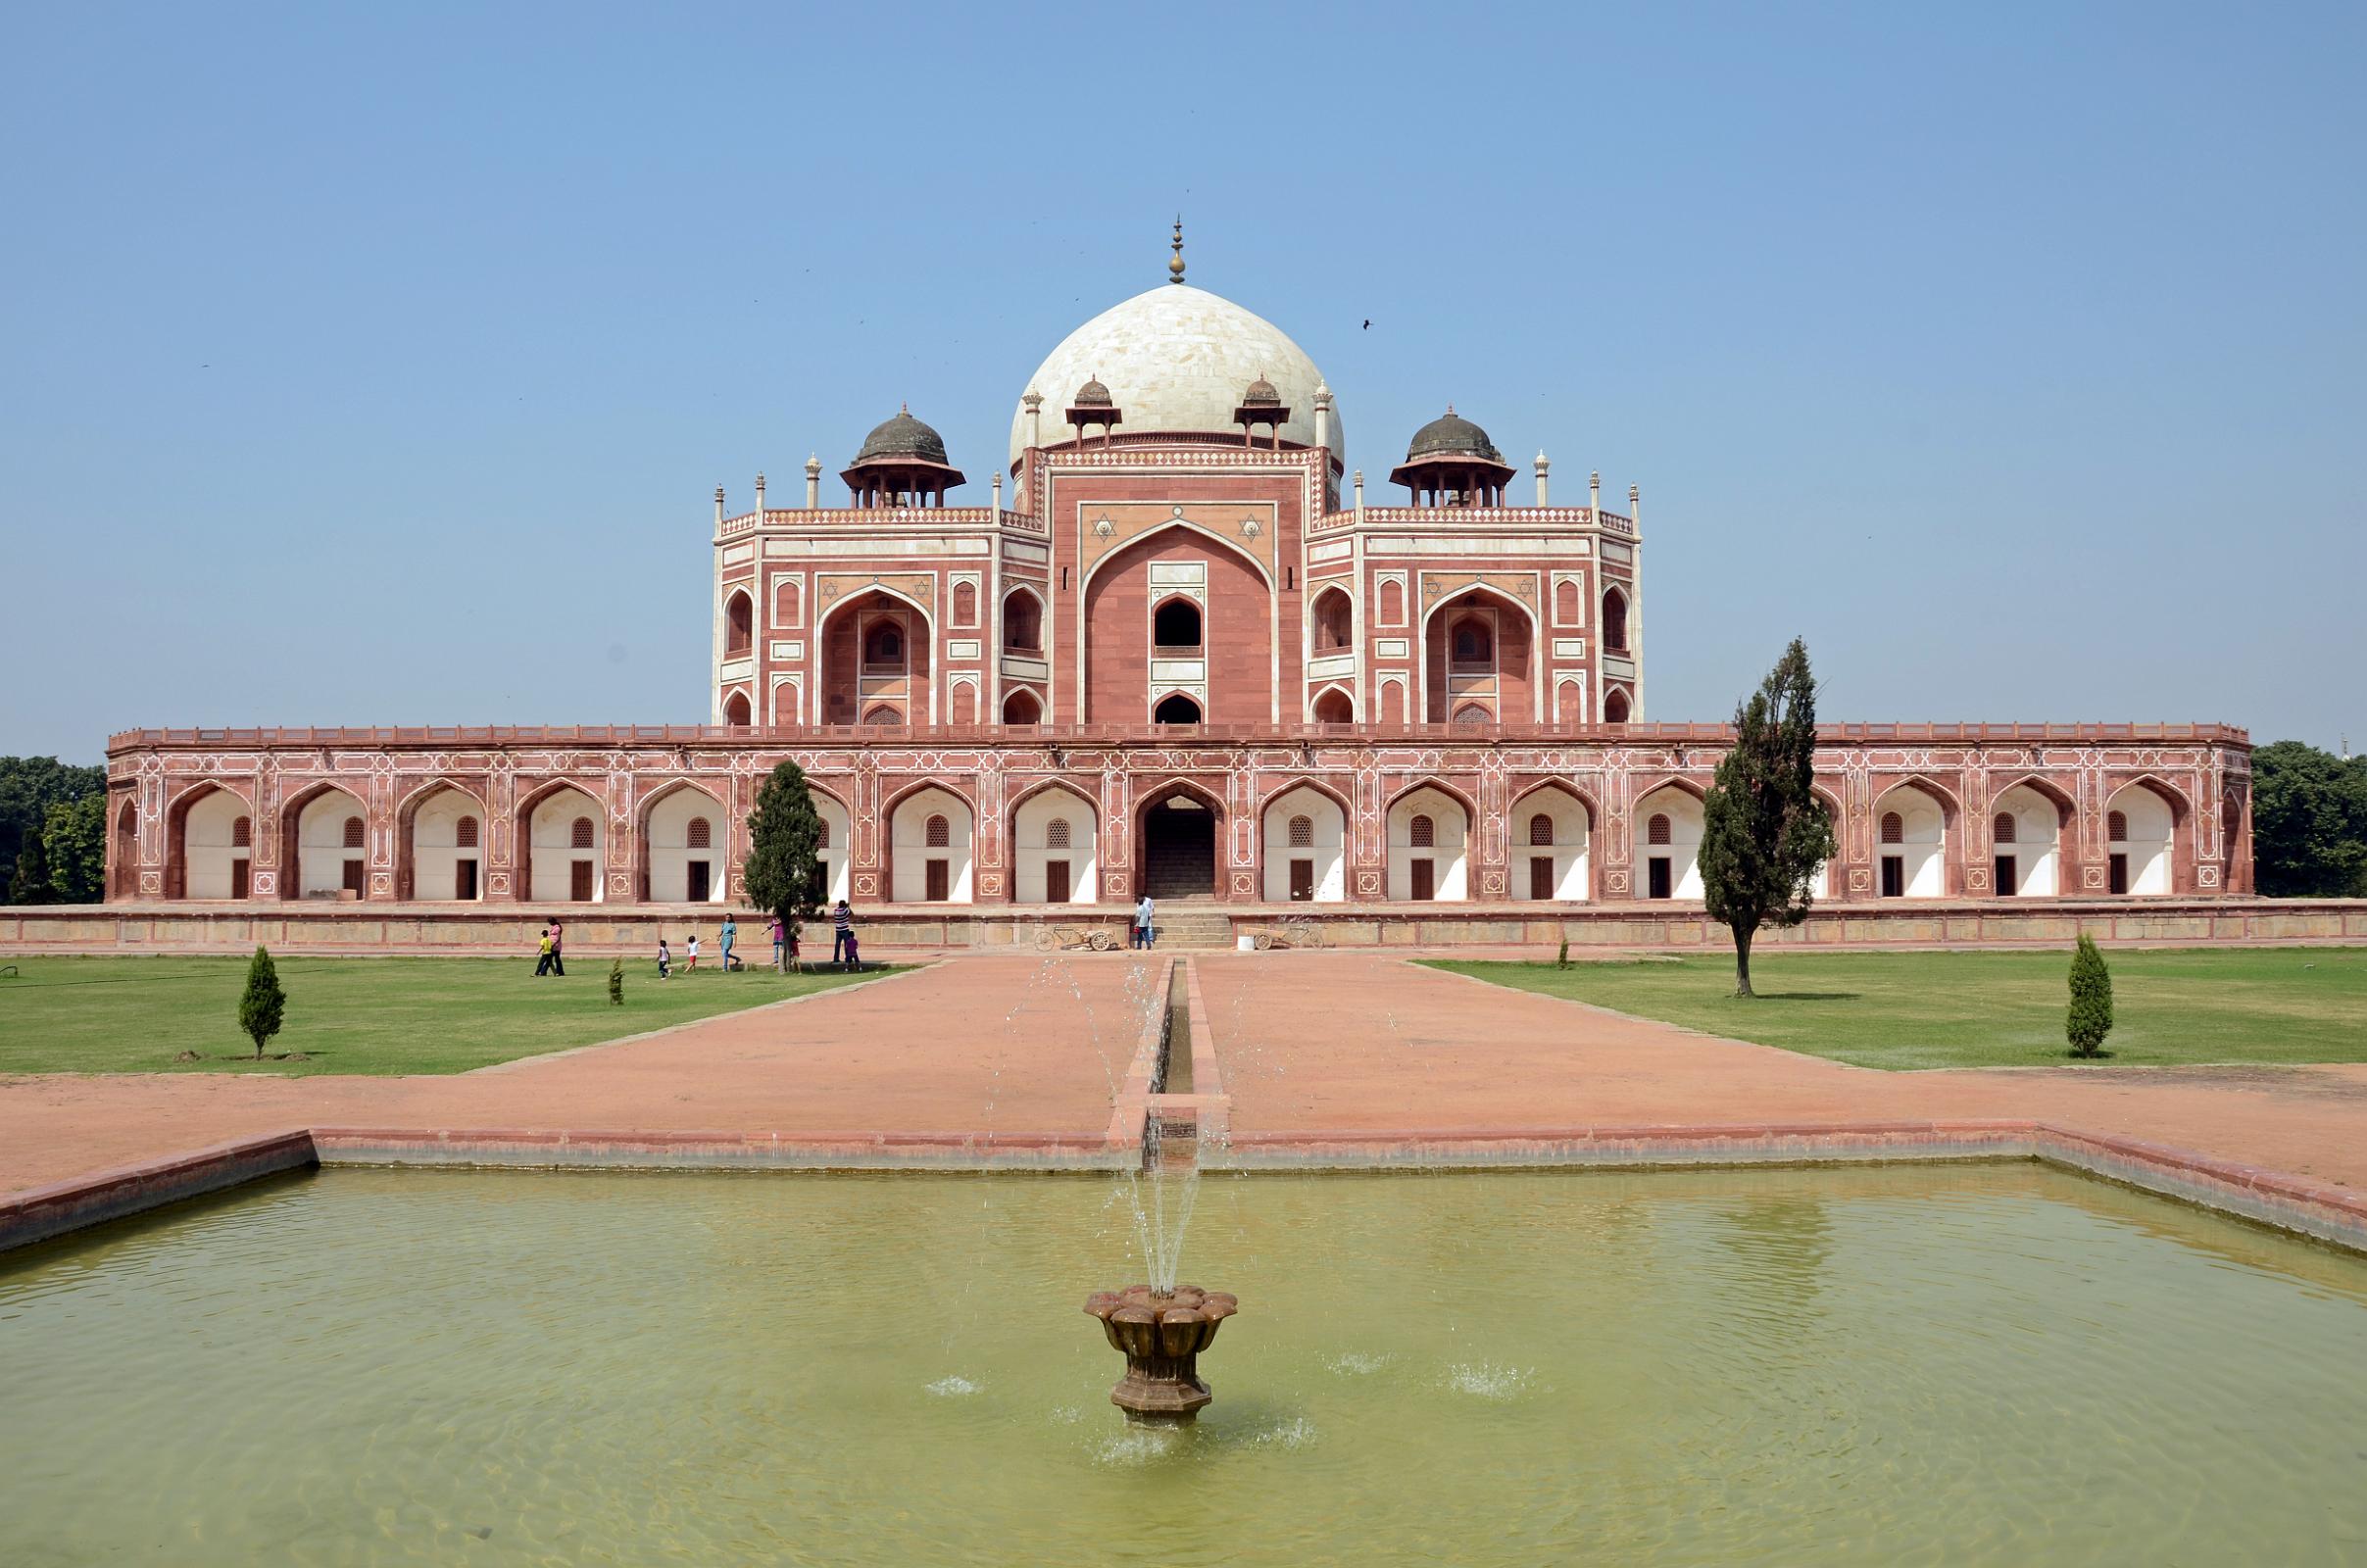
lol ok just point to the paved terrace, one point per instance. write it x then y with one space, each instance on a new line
1308 1043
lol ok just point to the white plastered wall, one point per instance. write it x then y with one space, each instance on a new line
552 833
1569 846
206 848
1449 839
435 846
2038 831
1683 850
836 883
1924 835
321 851
1031 835
1328 828
670 847
2148 845
909 832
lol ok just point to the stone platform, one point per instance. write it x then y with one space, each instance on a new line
508 929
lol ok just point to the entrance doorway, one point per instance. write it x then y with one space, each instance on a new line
1894 876
698 889
579 881
937 882
239 883
1055 881
1179 849
1302 881
1656 877
2118 871
1540 876
1423 880
463 879
2004 874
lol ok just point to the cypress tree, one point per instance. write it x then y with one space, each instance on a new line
264 1005
617 983
1764 831
784 835
2091 1016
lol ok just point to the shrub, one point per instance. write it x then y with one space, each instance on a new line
2090 1017
263 1007
1561 959
617 983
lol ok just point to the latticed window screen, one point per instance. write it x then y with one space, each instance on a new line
940 833
2116 826
354 839
1655 831
463 833
580 835
1541 829
242 833
1422 831
1056 834
1894 828
821 840
2003 829
700 835
1303 833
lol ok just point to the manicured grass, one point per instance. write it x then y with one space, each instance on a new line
347 1015
1990 1009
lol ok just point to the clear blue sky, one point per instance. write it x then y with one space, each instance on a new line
375 364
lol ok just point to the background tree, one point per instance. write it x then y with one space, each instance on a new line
2090 1017
2310 822
784 835
29 882
1764 831
28 787
73 841
264 1005
617 983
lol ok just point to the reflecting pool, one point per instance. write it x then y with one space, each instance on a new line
1949 1366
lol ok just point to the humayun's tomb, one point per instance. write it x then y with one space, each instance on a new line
1179 651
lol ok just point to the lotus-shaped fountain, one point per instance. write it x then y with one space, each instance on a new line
1162 1334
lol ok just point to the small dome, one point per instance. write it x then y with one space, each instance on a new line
902 437
1261 395
1094 395
1451 432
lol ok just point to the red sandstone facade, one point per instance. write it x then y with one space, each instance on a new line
1178 662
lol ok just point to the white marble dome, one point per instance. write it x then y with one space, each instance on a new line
1177 358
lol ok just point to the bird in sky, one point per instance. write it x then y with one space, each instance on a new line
1368 323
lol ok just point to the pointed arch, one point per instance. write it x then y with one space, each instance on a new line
313 857
739 623
429 868
203 864
1334 705
1331 620
1022 705
1055 844
918 870
1515 642
555 880
1304 831
1556 865
1022 619
1177 849
667 854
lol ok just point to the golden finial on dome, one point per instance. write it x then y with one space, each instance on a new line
1175 263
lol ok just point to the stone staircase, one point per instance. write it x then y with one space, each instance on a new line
1194 925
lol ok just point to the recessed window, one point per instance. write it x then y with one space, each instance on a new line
739 632
1614 621
463 833
1655 831
1614 707
1422 831
242 833
579 836
1303 832
2116 826
2003 829
700 835
1541 829
1023 622
1175 627
1056 833
1894 828
939 832
354 833
1176 708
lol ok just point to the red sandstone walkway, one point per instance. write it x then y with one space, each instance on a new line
1306 1042
1356 1042
998 1046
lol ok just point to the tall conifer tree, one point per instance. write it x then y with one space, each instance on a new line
1764 831
784 835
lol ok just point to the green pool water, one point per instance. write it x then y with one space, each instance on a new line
1992 1364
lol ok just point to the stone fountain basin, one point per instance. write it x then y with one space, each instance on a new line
1142 1323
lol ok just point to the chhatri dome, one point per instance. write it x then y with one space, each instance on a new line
1177 359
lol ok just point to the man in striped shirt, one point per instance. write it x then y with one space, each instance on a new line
842 927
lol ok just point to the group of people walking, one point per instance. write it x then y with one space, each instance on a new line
550 959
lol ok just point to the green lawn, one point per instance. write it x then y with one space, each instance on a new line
1990 1009
346 1015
